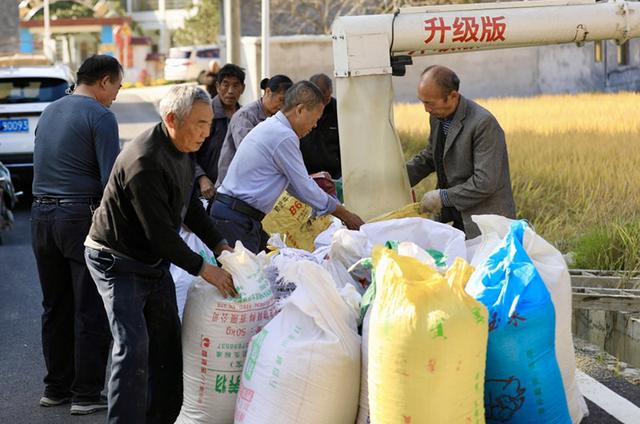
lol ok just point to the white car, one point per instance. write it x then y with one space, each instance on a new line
25 90
190 63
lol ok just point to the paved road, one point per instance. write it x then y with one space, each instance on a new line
21 364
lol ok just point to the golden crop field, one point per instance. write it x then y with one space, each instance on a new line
575 164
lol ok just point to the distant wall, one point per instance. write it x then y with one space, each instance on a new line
9 27
518 72
298 57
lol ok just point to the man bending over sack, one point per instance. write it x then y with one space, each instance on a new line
269 161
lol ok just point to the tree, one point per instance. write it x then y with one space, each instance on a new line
289 17
314 16
200 28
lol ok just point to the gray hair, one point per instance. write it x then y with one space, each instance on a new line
322 81
303 93
180 99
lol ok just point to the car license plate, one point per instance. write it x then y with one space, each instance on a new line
14 125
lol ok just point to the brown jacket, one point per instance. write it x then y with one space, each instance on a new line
475 163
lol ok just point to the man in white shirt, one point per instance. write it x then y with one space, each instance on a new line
269 161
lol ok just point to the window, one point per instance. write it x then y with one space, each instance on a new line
598 47
144 5
177 4
623 54
31 90
210 53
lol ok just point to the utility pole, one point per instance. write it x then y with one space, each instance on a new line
164 31
232 30
46 40
266 27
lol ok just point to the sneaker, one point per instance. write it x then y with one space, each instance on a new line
85 408
48 401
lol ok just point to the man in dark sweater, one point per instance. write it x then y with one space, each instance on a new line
76 145
230 86
133 239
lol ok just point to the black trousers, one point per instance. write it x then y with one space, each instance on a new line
235 226
146 361
75 330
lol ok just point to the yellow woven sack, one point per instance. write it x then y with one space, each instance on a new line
409 211
427 344
292 219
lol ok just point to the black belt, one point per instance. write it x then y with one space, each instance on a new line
66 200
239 206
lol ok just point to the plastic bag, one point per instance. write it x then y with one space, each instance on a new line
293 220
425 233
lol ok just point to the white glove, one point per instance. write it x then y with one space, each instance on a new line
431 202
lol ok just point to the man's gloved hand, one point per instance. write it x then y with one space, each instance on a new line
206 187
431 202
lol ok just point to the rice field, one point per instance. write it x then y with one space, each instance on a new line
575 168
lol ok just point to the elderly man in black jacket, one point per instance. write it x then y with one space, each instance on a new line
133 239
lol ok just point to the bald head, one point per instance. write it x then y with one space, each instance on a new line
438 91
443 77
325 85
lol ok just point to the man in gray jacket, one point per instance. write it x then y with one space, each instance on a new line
467 150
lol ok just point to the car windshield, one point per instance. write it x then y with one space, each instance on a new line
31 90
179 54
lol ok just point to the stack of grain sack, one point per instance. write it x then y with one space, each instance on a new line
443 340
539 317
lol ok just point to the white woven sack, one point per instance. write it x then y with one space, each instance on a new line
281 260
555 274
346 249
425 233
215 336
303 367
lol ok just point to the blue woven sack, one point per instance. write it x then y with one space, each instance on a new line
523 383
